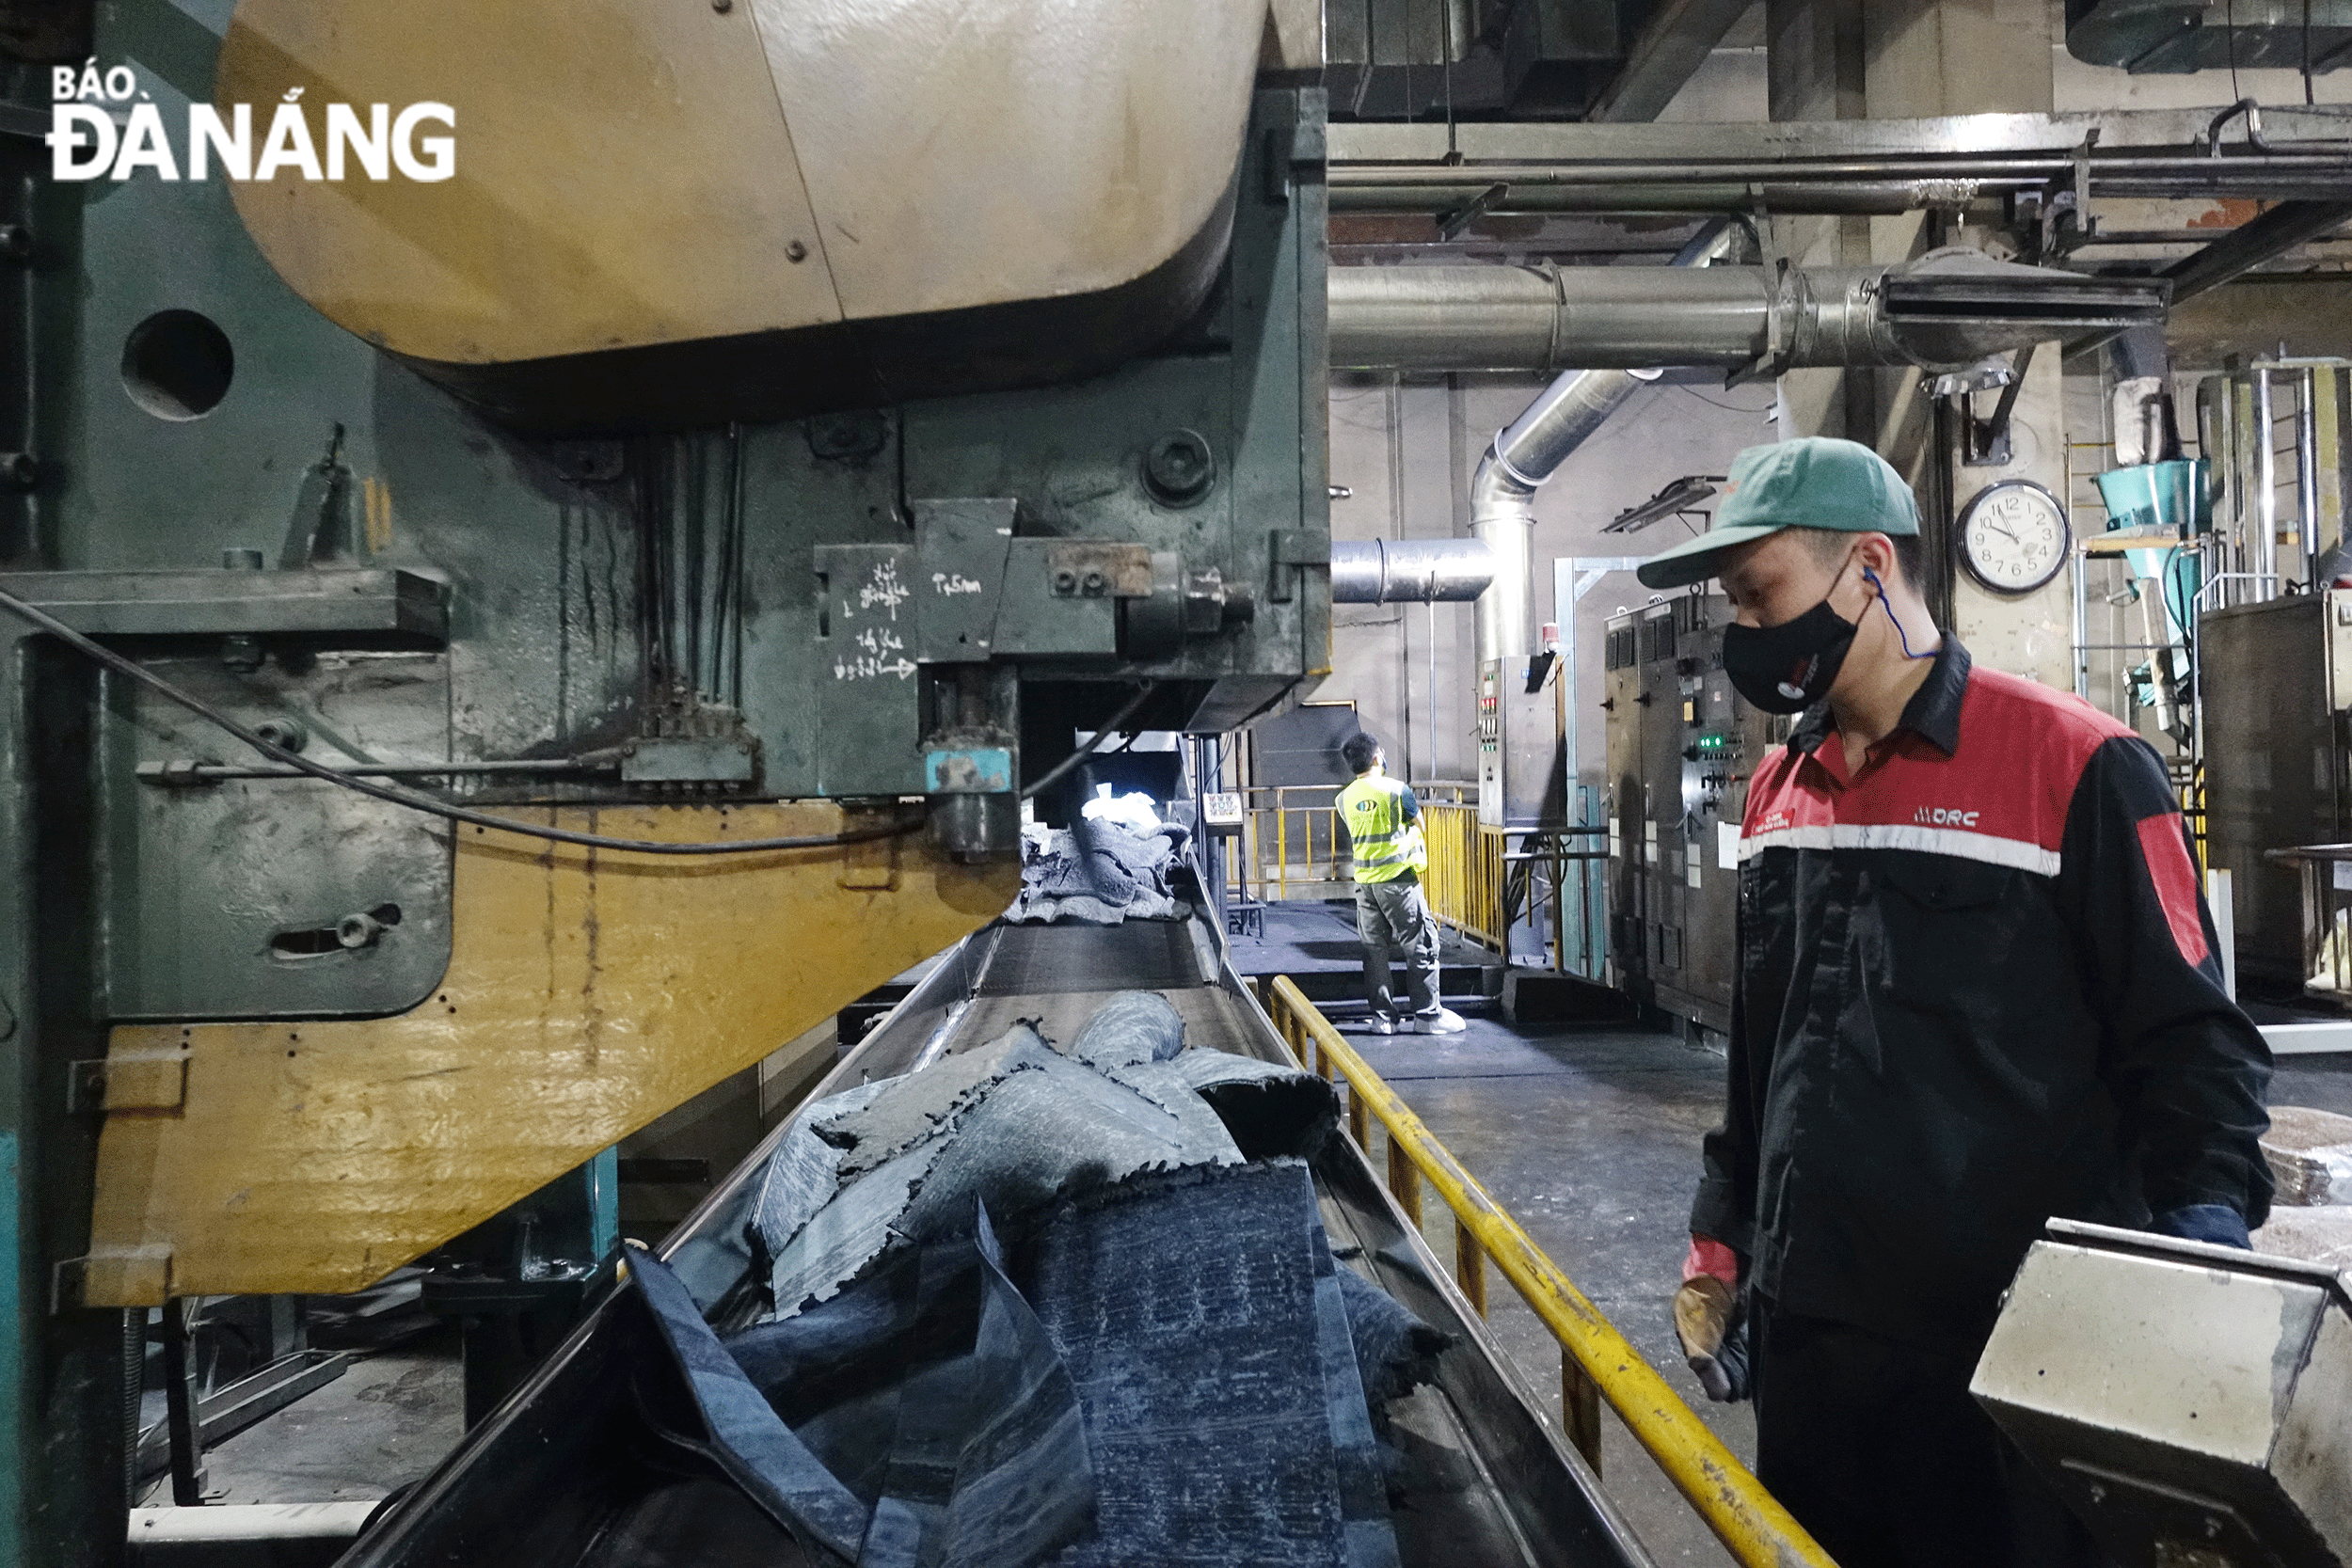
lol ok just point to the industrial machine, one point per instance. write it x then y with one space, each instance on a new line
526 587
1681 746
2196 1413
2261 579
1521 778
2279 771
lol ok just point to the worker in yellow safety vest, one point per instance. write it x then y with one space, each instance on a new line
1382 821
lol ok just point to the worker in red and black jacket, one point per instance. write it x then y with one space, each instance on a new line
1977 988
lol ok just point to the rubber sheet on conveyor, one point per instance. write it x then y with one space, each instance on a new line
1074 1304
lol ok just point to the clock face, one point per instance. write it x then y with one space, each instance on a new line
2013 537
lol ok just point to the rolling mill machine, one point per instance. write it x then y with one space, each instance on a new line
488 656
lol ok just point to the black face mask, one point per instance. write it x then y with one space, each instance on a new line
1789 668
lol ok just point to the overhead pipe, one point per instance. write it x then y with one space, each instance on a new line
1471 317
1948 309
1944 310
1502 495
1409 571
1530 448
1862 184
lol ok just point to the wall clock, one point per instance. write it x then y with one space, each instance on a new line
2013 536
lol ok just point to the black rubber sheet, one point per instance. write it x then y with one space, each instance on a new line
1162 1364
1202 1320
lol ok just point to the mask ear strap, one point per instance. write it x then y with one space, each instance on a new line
1874 582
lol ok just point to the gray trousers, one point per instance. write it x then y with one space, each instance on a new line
1394 915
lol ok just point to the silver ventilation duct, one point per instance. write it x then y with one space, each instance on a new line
1409 571
1502 494
2182 35
1947 310
1527 452
1943 310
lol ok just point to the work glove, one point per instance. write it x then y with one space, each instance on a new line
2217 1223
1711 1319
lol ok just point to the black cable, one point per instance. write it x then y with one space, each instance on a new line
392 795
2229 15
2307 96
1110 725
1729 407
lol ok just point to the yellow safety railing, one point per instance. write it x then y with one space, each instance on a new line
1464 882
1284 829
1595 1361
1291 848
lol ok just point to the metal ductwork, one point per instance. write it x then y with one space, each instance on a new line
1502 494
2180 35
1409 571
1943 310
1528 452
1672 44
1947 310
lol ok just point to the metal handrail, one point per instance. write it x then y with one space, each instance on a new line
1594 1358
1464 881
1248 871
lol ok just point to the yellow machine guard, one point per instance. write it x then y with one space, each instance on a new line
588 991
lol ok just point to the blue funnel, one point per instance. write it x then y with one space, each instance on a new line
2169 496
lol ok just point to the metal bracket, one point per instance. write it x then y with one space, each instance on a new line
316 603
1301 144
1590 569
1779 316
321 530
2085 224
1450 225
1985 443
2052 235
1758 218
1287 548
157 1081
1088 569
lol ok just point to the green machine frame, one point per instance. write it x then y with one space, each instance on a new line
203 473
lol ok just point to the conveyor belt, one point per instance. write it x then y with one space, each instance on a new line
559 1475
1450 1507
1142 954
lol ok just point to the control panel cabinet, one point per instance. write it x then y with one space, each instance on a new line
1681 746
1522 777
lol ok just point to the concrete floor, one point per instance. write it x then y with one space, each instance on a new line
388 1420
1590 1137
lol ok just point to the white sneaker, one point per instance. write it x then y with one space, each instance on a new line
1445 1020
1381 1024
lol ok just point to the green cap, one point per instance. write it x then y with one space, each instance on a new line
1812 481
